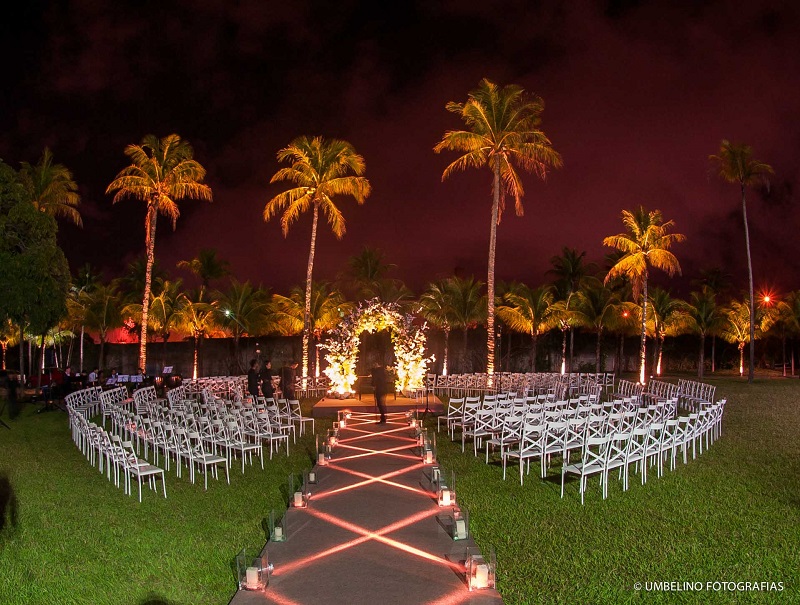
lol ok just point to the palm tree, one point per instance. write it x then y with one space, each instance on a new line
645 243
51 188
435 307
207 267
706 320
570 272
162 172
530 311
669 317
9 335
328 306
242 310
737 327
596 308
718 282
467 308
103 312
164 303
503 134
736 165
320 170
197 318
789 316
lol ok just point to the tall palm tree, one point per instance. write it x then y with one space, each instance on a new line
435 307
321 170
644 244
207 267
467 308
51 188
164 303
597 309
530 311
706 320
736 165
669 317
570 271
503 134
163 171
103 312
242 310
737 327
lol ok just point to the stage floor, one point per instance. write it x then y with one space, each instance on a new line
329 406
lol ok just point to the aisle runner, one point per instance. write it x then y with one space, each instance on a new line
370 533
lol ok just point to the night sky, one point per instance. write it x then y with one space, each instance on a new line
637 95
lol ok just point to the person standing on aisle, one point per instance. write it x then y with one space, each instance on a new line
252 379
266 380
381 385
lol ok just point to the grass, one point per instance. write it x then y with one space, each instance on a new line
731 515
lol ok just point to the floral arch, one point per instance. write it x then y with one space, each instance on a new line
372 316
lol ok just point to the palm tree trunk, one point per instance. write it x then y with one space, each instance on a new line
83 328
752 304
4 354
701 361
102 351
150 245
490 276
660 344
563 351
21 355
195 358
464 353
41 360
783 343
597 352
69 350
534 337
444 363
741 359
307 309
571 346
713 353
643 351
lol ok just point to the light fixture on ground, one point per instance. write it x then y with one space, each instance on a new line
322 456
480 571
277 527
446 490
299 492
460 524
429 448
253 571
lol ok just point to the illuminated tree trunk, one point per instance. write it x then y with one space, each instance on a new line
83 328
446 340
563 351
4 354
643 349
150 243
307 309
741 359
701 361
21 355
534 338
571 346
195 358
490 276
752 304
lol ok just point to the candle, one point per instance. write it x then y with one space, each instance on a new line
251 582
482 576
428 456
278 532
312 477
342 424
461 529
298 499
444 499
321 460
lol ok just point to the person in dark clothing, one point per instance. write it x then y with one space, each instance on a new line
380 382
287 380
266 380
252 379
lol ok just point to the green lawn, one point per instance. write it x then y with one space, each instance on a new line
731 515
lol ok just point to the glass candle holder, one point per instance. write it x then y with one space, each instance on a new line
277 528
460 527
252 571
480 571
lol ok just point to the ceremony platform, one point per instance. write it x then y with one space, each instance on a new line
328 407
372 531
